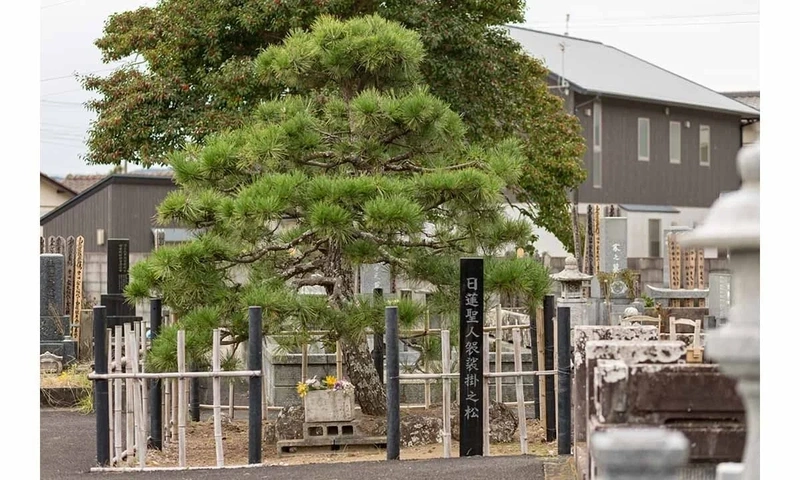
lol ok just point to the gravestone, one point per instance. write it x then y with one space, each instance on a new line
613 244
614 252
118 311
375 276
719 296
118 265
54 326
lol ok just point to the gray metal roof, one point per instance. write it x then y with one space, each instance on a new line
601 69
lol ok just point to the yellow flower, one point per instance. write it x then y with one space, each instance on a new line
302 389
330 381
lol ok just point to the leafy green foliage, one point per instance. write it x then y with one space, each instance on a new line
194 76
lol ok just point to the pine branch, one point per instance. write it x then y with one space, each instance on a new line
255 256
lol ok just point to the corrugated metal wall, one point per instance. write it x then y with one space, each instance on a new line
134 213
657 181
85 219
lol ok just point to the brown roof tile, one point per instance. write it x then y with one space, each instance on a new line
80 183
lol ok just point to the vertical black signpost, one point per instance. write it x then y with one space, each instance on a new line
471 357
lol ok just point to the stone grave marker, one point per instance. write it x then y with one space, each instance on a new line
375 275
614 251
50 364
719 295
118 265
54 326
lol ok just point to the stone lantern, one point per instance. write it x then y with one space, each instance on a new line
572 290
733 224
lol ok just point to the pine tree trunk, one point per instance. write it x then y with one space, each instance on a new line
369 390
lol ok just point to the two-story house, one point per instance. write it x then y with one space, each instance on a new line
659 146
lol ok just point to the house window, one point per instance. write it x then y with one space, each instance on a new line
644 139
654 237
705 145
674 142
597 147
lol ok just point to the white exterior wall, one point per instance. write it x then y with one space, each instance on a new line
637 230
751 133
49 197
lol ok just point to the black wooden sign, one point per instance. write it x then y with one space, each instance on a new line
471 358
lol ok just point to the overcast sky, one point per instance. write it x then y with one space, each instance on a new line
713 42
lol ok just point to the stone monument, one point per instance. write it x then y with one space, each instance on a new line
54 325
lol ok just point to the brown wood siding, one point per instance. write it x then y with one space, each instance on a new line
658 182
84 219
134 213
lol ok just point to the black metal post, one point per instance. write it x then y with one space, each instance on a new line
549 380
535 361
379 348
101 387
564 383
392 386
470 358
194 396
254 408
156 423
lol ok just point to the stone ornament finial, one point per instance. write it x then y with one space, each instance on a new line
570 272
630 312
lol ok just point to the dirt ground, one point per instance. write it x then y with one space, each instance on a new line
201 449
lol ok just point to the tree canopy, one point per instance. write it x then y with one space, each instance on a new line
193 75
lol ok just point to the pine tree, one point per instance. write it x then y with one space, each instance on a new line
356 162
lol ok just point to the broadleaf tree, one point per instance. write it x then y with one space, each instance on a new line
192 75
355 163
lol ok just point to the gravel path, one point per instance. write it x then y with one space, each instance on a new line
68 452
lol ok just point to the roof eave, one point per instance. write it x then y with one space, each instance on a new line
744 115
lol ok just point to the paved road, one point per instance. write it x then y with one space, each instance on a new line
68 452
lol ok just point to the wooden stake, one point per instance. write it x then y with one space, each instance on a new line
217 400
166 404
140 439
486 399
109 338
140 365
540 355
446 435
130 427
230 398
304 363
264 387
425 365
339 368
498 356
181 399
118 392
523 427
174 414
